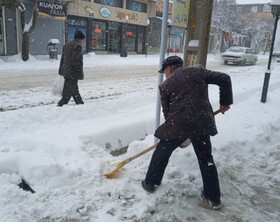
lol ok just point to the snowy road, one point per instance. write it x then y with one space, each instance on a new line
24 79
14 78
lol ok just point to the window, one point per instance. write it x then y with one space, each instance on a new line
254 9
260 8
248 51
73 25
115 3
99 35
76 22
136 6
130 37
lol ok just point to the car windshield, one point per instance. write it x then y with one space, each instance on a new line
235 49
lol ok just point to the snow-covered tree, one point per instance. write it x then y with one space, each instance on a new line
27 31
228 20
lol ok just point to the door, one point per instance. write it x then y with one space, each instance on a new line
114 37
114 41
11 32
249 55
141 40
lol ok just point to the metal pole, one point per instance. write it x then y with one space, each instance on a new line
268 72
162 54
91 14
125 38
147 37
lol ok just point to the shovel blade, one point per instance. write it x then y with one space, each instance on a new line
111 173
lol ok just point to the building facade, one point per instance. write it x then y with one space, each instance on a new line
109 25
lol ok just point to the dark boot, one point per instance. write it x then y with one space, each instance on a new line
148 187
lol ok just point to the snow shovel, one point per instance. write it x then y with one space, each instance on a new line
111 173
122 163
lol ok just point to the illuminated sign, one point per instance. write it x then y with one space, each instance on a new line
105 12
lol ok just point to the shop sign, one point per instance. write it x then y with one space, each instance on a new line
104 12
52 9
131 16
174 31
180 13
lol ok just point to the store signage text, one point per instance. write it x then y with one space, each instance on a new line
132 16
53 9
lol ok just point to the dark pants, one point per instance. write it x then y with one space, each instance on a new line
70 89
203 149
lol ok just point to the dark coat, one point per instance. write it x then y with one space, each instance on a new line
71 63
186 106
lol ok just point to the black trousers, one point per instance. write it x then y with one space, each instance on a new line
203 149
70 89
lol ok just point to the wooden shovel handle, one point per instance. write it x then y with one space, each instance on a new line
141 153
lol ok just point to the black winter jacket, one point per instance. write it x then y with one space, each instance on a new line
71 63
185 102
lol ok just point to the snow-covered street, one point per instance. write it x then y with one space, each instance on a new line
64 151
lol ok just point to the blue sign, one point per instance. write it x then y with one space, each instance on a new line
105 12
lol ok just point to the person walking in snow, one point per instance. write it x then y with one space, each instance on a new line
189 114
71 67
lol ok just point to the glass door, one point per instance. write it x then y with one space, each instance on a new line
114 37
99 35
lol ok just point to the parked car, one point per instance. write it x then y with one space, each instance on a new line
239 55
276 54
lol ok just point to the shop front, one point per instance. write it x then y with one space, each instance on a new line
110 25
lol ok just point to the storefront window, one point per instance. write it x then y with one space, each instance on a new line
73 25
136 6
115 3
99 35
130 37
76 22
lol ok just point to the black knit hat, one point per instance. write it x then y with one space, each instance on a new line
170 61
79 35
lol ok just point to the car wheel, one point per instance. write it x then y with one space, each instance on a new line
254 62
243 62
225 62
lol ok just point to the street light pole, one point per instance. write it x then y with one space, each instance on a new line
123 52
275 10
147 37
169 26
